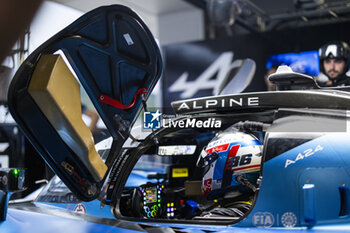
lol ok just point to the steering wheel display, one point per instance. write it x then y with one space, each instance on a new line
151 196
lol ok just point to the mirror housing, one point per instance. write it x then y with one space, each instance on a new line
286 79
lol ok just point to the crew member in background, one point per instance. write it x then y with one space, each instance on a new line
334 69
270 86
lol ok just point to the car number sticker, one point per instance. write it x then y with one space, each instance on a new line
304 154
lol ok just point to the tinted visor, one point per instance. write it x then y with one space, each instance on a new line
206 159
332 51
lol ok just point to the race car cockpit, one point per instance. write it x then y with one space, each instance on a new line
171 190
194 175
208 172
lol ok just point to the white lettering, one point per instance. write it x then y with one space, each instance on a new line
303 155
165 125
257 219
233 101
268 220
210 103
206 124
308 152
191 123
221 102
195 105
183 105
288 162
173 123
181 124
299 156
253 101
318 148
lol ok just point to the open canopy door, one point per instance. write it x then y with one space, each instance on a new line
117 62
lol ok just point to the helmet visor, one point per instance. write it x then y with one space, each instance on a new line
205 159
332 51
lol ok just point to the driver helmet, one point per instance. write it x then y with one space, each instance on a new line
337 49
231 159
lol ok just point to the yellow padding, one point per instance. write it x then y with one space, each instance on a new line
57 93
179 172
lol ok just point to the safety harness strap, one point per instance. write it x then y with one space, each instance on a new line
115 103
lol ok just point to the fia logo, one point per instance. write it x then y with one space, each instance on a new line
263 219
151 120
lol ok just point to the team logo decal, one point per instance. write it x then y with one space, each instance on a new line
205 80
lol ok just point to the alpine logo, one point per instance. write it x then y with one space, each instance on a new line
205 80
219 102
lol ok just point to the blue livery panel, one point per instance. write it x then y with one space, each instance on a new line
311 174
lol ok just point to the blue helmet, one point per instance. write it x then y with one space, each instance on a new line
231 159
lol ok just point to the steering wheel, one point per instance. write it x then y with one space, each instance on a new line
136 202
147 200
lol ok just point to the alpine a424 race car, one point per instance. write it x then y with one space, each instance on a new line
237 162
